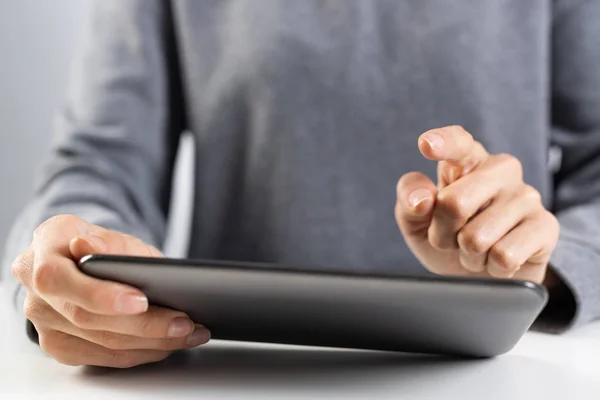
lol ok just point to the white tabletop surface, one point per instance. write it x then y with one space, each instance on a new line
539 367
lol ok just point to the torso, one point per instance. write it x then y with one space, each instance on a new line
306 114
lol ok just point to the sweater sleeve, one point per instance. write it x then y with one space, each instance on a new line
576 132
115 139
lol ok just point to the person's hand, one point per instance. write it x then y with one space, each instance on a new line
481 219
85 321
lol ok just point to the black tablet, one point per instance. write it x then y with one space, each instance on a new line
305 306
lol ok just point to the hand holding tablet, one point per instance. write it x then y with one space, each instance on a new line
84 321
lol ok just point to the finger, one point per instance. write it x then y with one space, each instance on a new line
179 333
110 242
117 341
56 279
157 322
460 201
450 171
54 234
195 335
72 350
478 236
102 241
530 242
55 275
451 143
22 267
36 310
415 200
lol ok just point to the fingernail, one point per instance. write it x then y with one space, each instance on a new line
131 303
418 196
200 336
180 327
96 242
435 141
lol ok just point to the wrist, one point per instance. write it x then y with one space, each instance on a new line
560 308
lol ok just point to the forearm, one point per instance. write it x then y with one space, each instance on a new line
82 178
575 90
114 146
573 278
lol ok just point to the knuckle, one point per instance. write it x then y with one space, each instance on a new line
148 325
20 264
511 163
78 316
16 268
448 172
32 309
438 238
455 206
507 159
49 342
45 342
43 275
112 340
531 194
436 242
39 231
473 241
553 226
460 129
56 220
504 258
119 241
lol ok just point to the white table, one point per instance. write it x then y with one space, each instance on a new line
540 367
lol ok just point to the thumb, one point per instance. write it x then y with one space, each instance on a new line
415 201
104 241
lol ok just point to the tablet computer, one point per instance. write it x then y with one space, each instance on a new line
308 306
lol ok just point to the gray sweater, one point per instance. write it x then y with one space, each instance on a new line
306 113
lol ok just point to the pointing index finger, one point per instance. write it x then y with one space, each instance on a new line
455 149
451 143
